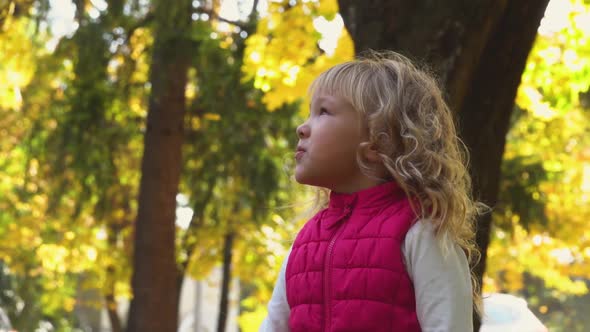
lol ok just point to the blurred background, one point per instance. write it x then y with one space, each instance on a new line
147 146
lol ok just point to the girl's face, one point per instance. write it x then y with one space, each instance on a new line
328 143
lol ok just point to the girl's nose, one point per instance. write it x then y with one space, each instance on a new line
303 130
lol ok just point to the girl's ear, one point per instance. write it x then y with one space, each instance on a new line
369 152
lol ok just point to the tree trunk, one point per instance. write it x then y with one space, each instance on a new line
111 305
154 306
479 50
226 281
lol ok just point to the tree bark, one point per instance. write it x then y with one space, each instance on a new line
154 306
226 281
479 50
111 305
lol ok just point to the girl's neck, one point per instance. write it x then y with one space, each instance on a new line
374 197
362 183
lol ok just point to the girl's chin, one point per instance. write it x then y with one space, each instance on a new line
301 177
306 180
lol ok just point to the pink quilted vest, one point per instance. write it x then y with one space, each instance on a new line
346 271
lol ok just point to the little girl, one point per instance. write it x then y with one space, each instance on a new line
390 250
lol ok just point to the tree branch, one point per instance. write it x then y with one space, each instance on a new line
140 23
253 12
216 16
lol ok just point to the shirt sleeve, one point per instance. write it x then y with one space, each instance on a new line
278 308
442 281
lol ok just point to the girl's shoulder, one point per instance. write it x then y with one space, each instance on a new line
423 235
310 229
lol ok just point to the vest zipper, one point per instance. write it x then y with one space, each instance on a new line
327 269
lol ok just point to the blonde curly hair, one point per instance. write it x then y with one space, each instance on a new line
413 131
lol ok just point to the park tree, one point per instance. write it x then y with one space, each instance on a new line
155 274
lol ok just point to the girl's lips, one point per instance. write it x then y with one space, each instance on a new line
299 154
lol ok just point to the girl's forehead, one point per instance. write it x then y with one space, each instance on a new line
333 88
324 90
341 87
331 101
326 98
324 87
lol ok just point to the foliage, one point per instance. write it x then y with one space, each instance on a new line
281 67
73 120
233 191
541 221
67 196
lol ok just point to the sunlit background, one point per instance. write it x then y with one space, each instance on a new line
68 186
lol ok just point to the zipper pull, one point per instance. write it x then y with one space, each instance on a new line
347 211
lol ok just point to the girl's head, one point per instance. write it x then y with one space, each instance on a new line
381 118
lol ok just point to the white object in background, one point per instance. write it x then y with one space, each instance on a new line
508 313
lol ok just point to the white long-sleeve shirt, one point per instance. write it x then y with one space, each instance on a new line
442 285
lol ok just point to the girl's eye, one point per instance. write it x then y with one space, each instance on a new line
323 111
